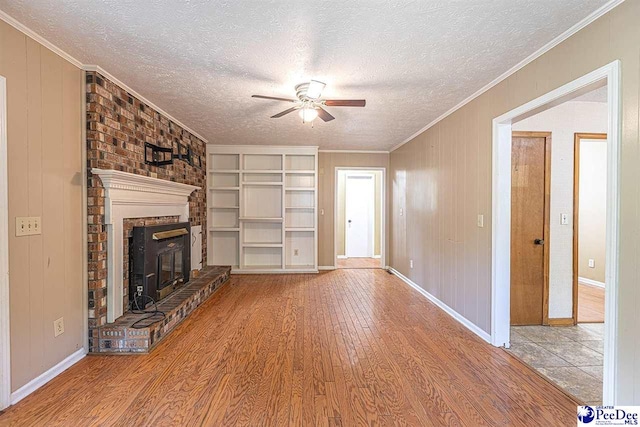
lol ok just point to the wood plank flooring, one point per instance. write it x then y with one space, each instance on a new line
358 263
341 348
590 304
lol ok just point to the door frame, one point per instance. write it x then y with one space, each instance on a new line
608 75
383 215
577 137
372 214
546 233
5 329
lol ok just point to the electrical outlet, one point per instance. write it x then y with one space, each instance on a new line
410 263
401 211
296 252
321 211
28 226
139 290
58 326
592 263
481 221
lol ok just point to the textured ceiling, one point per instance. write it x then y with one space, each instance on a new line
597 95
201 60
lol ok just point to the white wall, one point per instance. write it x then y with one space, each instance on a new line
563 122
592 207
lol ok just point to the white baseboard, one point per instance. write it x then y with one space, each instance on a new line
47 376
342 257
591 282
451 312
326 267
377 256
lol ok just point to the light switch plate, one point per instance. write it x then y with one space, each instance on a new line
28 226
58 327
481 221
564 219
592 263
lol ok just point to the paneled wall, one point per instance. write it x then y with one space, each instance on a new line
327 163
45 179
442 181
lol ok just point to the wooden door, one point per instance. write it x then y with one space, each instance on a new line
530 191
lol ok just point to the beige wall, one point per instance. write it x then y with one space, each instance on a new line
564 121
45 179
442 179
592 209
327 162
377 213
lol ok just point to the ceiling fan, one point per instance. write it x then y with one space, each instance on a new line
309 103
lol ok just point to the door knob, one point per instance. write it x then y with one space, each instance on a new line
539 241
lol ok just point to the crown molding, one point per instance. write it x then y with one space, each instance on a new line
37 37
544 49
354 151
114 79
87 67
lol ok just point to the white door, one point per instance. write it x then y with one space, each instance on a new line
359 196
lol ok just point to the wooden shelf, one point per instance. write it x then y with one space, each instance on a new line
259 219
258 183
306 172
262 208
253 171
262 245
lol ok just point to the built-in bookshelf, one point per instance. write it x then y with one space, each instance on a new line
263 208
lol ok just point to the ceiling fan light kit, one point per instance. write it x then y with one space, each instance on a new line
309 102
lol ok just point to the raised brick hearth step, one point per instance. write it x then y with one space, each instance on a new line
120 337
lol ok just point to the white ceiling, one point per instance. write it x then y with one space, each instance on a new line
597 95
202 60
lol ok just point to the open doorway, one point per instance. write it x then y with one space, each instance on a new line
359 218
578 357
589 226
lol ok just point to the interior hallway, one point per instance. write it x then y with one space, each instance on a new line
358 263
346 347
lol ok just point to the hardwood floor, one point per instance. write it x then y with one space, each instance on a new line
358 263
347 347
590 304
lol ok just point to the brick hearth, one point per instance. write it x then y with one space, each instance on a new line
120 337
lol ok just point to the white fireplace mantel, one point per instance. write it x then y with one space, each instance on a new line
129 195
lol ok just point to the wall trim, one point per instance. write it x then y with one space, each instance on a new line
451 312
604 9
326 267
562 321
591 282
88 67
342 257
37 37
355 151
47 376
5 318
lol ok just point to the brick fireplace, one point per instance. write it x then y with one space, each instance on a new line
118 126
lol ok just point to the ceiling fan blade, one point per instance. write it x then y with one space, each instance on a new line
324 115
345 102
273 97
290 110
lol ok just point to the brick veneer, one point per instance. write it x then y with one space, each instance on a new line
118 125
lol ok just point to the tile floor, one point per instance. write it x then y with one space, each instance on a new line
571 357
